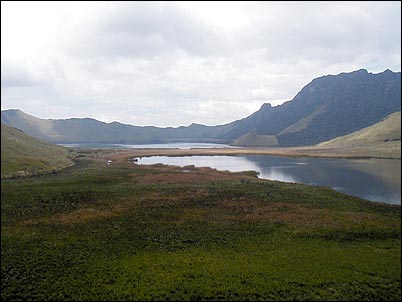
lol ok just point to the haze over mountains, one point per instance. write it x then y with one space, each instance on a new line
328 107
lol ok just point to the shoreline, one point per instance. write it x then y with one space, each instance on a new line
341 153
126 156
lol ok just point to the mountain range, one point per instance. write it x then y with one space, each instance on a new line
328 107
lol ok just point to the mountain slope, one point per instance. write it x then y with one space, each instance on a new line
256 140
387 130
326 108
87 130
22 154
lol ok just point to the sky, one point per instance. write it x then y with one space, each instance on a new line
171 64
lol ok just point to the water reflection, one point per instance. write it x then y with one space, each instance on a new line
229 163
372 179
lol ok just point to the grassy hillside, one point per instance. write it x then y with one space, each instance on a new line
387 130
124 232
254 139
22 154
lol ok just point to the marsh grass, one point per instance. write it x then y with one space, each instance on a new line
126 232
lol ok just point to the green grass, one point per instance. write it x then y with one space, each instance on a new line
24 155
254 139
98 232
387 130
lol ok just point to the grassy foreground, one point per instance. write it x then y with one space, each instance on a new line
126 232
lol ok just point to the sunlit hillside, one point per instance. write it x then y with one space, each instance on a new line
23 155
386 131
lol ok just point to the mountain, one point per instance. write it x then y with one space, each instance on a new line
87 130
326 108
22 154
386 131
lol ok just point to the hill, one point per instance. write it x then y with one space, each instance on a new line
88 130
387 130
326 108
22 154
254 139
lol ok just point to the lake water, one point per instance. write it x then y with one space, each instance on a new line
167 145
371 179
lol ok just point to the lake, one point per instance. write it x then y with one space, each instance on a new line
371 179
146 146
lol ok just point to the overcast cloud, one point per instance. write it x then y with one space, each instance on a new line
175 63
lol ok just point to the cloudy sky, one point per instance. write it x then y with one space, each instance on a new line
175 63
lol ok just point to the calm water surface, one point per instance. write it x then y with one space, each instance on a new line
167 145
371 179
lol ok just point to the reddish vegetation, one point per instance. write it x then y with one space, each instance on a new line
242 208
78 216
297 216
181 177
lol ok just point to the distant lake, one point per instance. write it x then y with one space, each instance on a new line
167 145
371 179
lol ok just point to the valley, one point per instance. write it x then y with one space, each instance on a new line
326 108
118 231
93 224
201 151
